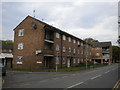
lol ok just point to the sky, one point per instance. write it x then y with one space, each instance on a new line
98 20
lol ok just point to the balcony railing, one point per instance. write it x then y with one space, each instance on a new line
48 52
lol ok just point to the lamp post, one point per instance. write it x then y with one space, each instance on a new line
86 53
57 62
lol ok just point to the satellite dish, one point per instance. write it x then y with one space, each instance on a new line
34 25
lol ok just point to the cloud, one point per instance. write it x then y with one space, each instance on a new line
83 19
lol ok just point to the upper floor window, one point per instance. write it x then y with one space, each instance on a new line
74 51
81 44
69 49
64 49
21 32
78 42
69 39
57 35
74 41
19 59
97 54
64 37
20 45
57 47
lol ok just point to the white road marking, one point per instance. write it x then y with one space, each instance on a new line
75 85
96 77
73 74
44 81
107 72
55 78
64 76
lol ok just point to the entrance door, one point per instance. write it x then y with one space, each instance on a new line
68 62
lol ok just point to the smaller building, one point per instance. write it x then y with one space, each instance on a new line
6 55
102 52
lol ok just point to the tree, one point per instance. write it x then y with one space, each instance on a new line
89 40
6 42
116 53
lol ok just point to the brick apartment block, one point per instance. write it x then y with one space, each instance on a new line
38 45
102 52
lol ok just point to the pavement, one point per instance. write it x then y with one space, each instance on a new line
103 77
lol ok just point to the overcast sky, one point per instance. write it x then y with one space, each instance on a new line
97 20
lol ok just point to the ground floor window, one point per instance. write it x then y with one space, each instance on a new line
63 60
74 60
19 59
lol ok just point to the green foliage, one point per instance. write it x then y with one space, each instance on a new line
7 42
90 40
115 53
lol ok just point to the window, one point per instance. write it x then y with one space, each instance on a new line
74 61
64 49
74 51
74 41
57 48
19 59
64 37
57 60
82 52
81 44
69 39
78 43
69 49
63 61
21 32
78 60
97 54
10 50
97 48
57 35
20 46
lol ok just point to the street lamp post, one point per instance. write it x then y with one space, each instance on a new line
57 62
86 54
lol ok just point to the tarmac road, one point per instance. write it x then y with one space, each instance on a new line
103 77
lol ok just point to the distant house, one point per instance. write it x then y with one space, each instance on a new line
102 52
6 55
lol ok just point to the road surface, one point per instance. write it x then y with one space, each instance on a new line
103 77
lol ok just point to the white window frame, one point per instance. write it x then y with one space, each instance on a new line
69 49
21 32
57 35
20 46
64 49
74 41
97 54
19 59
78 42
64 37
74 60
69 39
57 47
74 51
